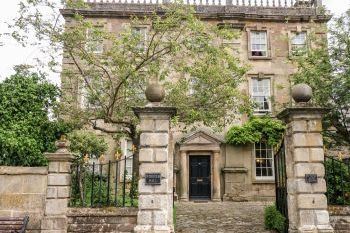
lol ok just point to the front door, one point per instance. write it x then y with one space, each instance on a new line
199 177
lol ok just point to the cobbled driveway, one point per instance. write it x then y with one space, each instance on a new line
235 217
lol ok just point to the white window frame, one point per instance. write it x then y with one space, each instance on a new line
143 32
255 95
252 43
268 148
293 46
126 154
84 101
93 46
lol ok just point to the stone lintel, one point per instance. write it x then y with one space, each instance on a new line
59 157
155 110
306 113
125 10
209 148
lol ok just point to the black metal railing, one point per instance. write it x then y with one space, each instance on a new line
103 184
338 180
281 184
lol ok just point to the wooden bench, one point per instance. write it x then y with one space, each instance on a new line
13 224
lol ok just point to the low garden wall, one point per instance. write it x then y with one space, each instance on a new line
340 218
102 219
23 191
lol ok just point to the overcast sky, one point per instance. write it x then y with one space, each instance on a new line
12 53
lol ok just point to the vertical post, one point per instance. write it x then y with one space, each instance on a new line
155 200
184 176
58 189
216 176
307 202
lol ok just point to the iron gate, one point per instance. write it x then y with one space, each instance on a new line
281 183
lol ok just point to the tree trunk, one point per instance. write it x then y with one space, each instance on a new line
135 137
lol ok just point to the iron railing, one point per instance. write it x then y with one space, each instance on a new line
248 3
103 184
338 180
281 184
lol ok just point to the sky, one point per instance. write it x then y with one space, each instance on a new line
11 53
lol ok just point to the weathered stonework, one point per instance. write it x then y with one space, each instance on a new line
340 218
22 192
155 201
307 202
117 220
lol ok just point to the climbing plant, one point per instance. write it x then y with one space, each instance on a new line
255 130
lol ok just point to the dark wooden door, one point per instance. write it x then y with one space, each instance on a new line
200 177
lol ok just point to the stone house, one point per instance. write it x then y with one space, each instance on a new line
272 32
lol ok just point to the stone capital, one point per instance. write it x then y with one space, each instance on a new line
298 112
59 157
154 110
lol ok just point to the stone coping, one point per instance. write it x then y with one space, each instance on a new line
235 170
7 170
101 212
124 10
339 210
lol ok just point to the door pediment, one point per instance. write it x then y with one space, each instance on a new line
201 139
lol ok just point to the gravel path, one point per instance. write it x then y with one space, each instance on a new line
235 217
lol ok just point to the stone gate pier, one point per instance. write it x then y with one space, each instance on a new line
156 166
306 185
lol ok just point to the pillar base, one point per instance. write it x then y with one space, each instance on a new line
216 200
153 229
184 199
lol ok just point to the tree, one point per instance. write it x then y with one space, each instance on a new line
185 54
327 70
25 128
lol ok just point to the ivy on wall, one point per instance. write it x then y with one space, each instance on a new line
255 130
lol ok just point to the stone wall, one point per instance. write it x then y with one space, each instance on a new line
102 219
23 191
340 218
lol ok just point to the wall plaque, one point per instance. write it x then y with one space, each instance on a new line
153 178
311 178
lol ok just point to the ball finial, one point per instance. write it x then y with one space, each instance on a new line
301 93
155 92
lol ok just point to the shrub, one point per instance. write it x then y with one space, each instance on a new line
255 130
273 219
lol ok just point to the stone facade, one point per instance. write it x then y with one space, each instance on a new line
232 167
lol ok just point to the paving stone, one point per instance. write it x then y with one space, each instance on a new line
225 217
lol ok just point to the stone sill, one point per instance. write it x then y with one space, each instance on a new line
259 58
235 170
263 182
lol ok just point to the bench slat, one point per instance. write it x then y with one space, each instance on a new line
11 219
10 227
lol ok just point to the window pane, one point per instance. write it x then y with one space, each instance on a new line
261 94
263 160
258 43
